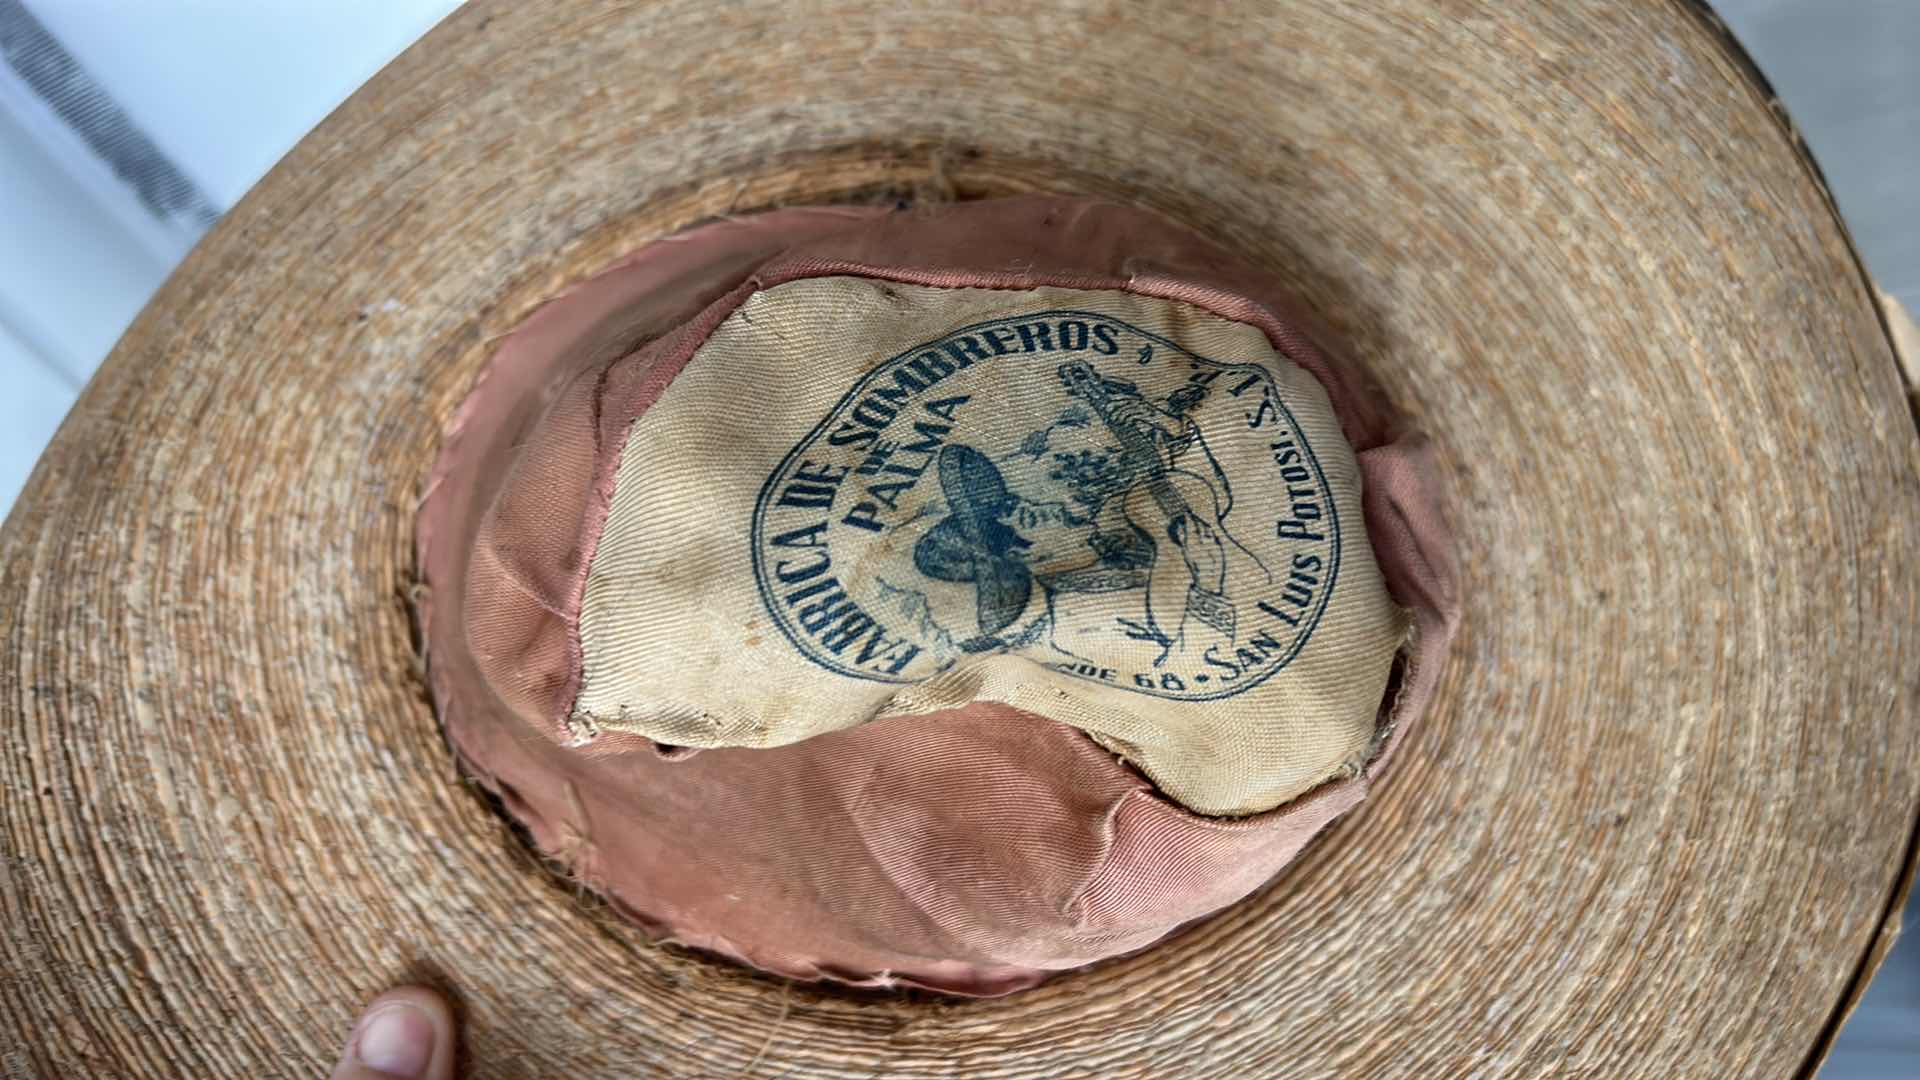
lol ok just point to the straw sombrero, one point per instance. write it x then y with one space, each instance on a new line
1658 820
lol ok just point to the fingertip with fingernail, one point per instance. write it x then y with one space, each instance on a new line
406 1033
397 1040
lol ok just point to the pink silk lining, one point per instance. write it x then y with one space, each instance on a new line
973 851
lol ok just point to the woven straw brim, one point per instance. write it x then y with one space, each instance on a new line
1654 824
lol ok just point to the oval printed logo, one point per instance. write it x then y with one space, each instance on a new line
1062 486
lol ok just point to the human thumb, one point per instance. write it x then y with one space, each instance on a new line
404 1034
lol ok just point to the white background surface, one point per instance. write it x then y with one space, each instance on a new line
225 87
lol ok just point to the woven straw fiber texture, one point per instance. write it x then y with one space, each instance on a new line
1651 827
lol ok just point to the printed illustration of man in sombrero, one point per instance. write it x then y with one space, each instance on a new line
1133 548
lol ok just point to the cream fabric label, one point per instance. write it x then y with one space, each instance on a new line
863 499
